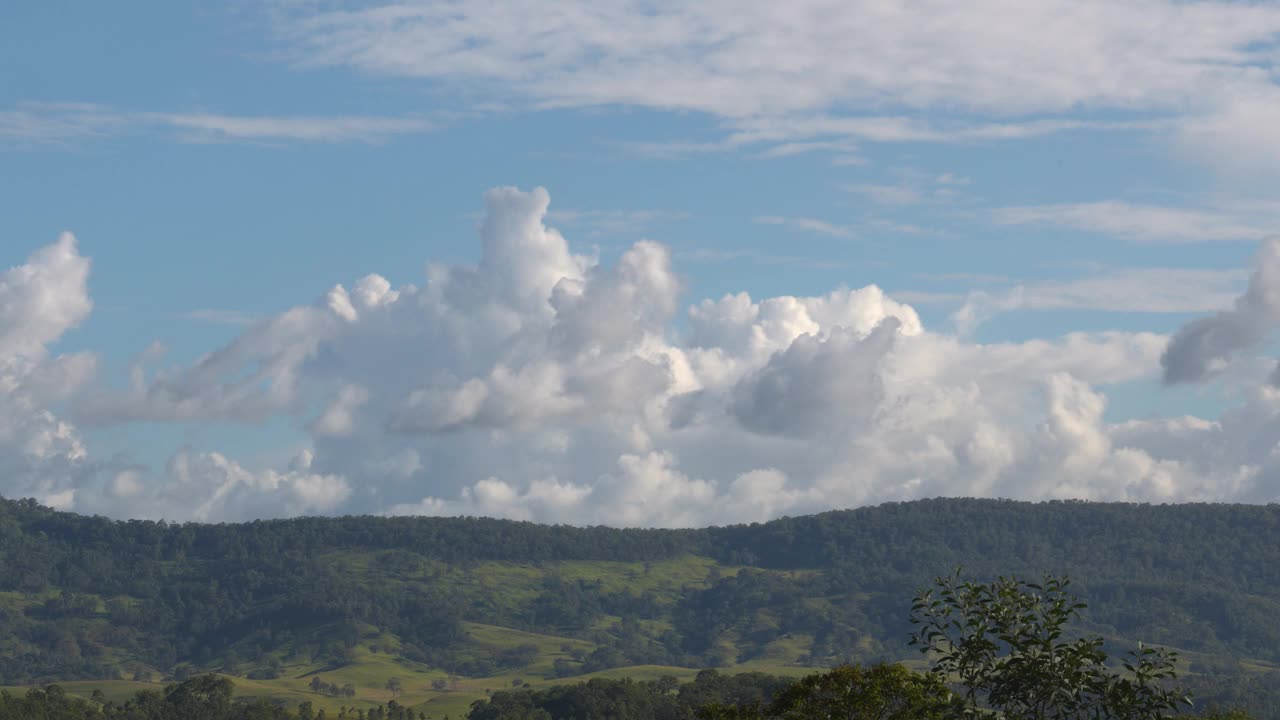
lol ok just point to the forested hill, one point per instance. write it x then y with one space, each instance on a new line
88 597
1209 542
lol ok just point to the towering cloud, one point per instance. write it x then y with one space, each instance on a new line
41 454
542 384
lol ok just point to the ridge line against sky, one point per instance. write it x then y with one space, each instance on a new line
802 256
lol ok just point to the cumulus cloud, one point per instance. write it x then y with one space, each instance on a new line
250 379
41 454
1205 344
208 486
541 384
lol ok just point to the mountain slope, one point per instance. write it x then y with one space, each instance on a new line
475 602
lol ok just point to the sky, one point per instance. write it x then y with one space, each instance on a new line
636 262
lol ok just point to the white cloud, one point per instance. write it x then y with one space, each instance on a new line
542 385
126 484
339 418
742 58
210 487
218 387
41 454
42 299
1239 136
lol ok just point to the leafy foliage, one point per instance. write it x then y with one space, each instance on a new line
1004 643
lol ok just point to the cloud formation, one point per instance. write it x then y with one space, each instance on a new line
542 384
1206 344
41 454
811 70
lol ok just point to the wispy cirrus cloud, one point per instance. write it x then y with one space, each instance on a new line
1141 223
808 71
912 187
1129 290
296 128
841 136
32 123
755 58
847 151
807 224
46 123
905 129
886 194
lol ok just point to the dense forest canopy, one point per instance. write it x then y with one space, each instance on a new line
90 597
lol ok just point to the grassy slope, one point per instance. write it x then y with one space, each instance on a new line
370 671
500 583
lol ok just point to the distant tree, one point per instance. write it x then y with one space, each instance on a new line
667 684
883 692
395 686
880 692
206 697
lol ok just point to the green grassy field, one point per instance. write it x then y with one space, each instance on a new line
371 668
371 671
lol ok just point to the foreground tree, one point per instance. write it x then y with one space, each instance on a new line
1005 643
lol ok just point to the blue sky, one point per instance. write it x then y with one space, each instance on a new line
1046 197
